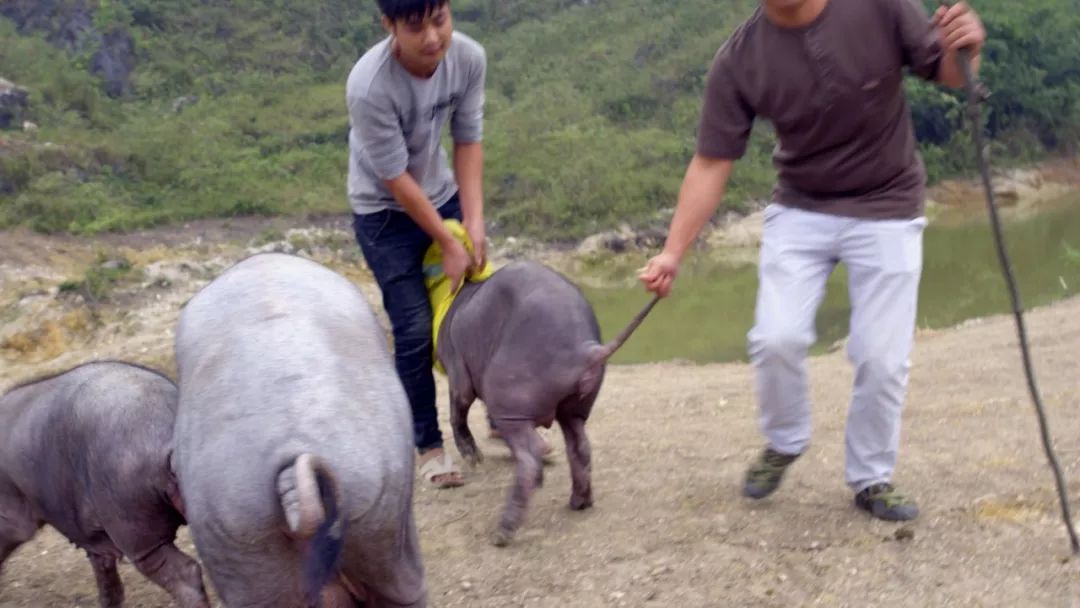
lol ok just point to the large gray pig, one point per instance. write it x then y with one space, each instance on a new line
293 441
526 342
87 452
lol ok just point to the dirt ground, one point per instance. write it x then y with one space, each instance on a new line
670 444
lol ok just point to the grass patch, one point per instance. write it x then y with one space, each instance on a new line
99 282
51 339
238 109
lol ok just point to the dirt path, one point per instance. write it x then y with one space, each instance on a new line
670 444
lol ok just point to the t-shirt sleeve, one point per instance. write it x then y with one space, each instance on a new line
726 117
467 123
377 126
919 39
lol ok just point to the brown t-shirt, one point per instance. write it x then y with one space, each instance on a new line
833 92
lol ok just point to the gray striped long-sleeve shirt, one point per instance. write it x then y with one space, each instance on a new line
396 121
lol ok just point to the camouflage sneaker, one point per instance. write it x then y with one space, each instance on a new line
764 476
884 501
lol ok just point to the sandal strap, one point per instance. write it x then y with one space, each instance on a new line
438 466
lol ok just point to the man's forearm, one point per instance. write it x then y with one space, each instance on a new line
469 172
700 195
418 206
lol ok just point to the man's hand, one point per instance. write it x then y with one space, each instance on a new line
959 27
455 262
475 228
702 188
659 273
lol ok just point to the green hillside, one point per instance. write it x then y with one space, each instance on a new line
155 111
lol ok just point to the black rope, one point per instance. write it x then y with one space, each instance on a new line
976 94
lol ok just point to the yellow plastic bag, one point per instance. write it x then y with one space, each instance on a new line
438 284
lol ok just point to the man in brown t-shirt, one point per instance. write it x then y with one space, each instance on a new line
828 75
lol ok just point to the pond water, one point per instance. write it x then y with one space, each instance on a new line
711 309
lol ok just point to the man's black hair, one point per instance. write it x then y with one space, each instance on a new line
409 9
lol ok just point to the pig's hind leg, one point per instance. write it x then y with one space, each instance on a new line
461 399
579 456
172 570
147 539
384 568
527 449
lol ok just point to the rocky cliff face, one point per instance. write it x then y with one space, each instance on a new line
13 101
69 25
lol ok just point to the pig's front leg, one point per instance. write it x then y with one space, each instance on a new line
7 547
17 524
525 445
459 421
579 455
110 588
177 573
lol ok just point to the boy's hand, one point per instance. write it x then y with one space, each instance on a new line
455 262
475 228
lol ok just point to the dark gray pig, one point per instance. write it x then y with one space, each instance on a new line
87 452
294 441
526 342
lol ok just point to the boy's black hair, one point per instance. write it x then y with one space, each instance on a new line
395 10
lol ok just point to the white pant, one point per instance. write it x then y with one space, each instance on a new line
884 261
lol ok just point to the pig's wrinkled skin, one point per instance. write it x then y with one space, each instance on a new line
526 342
87 452
294 441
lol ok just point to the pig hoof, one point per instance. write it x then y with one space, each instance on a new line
474 459
580 503
469 452
502 537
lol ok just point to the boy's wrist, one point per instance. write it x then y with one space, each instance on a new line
444 238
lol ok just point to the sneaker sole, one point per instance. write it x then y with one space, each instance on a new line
758 494
887 516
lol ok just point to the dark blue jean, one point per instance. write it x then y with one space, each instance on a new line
393 246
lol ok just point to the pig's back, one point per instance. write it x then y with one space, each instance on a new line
530 300
103 414
277 357
89 442
531 324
